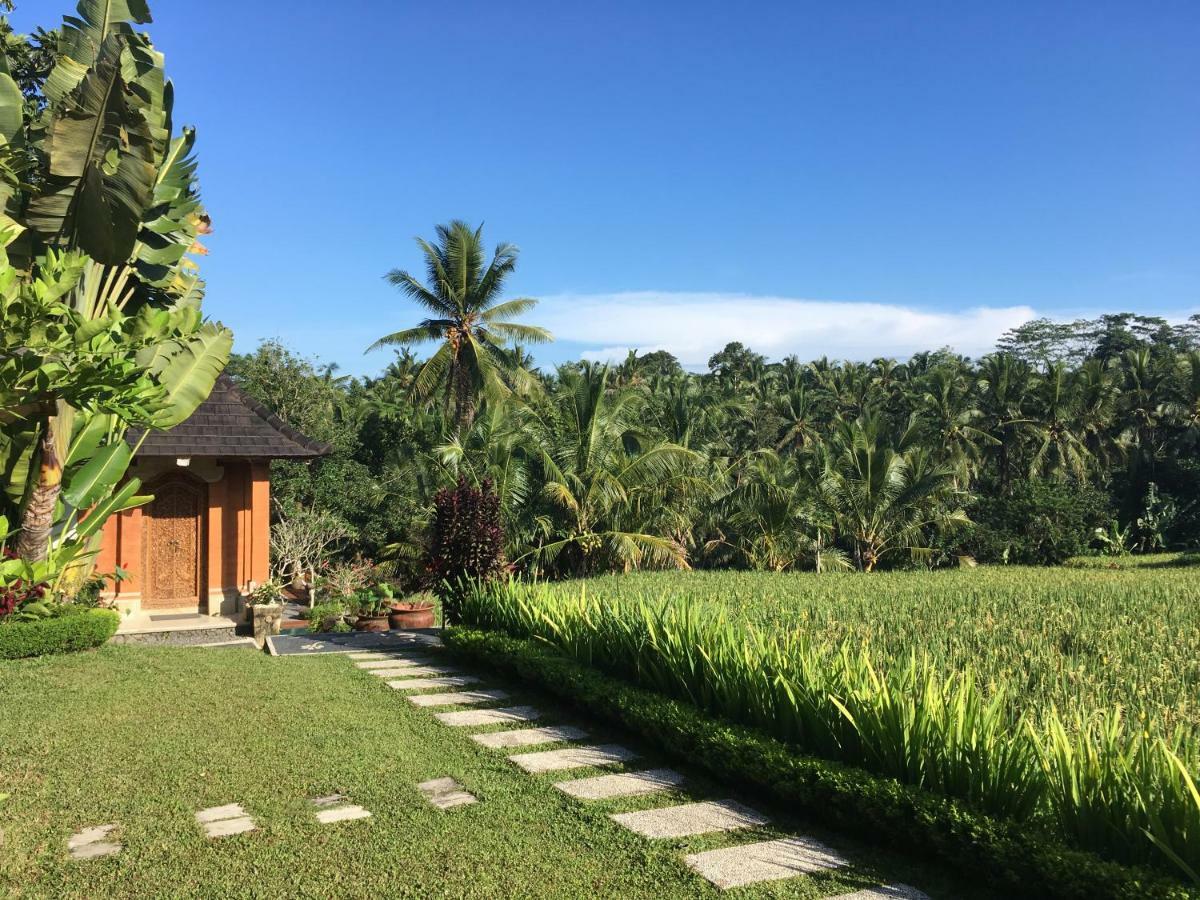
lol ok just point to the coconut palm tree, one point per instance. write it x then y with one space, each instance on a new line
467 317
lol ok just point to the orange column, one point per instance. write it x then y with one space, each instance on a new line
260 522
130 554
216 546
110 538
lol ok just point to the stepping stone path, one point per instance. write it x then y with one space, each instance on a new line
526 737
765 861
632 784
691 818
479 717
224 821
573 758
424 684
91 843
885 892
726 867
334 808
446 793
458 698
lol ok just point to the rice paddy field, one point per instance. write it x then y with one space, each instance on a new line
1079 639
1068 697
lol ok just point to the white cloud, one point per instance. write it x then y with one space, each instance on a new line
693 326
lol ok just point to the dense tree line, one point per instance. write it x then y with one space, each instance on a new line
1067 437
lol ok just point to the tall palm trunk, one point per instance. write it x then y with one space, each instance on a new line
33 543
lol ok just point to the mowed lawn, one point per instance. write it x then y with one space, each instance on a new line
146 737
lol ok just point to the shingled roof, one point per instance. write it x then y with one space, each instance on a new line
230 423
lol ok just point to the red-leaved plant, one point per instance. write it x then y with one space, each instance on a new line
466 542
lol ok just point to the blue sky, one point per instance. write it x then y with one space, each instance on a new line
854 179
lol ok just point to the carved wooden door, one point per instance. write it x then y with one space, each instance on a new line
173 544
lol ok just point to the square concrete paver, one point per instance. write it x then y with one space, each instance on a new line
527 737
335 808
91 843
424 684
468 718
885 892
630 784
691 818
445 793
458 698
393 662
395 656
765 861
573 758
414 671
224 821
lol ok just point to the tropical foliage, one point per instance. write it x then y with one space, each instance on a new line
1018 457
100 300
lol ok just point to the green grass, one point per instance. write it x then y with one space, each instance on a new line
1076 639
146 737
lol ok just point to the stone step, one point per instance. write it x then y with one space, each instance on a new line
224 821
468 718
573 758
732 867
691 818
885 892
335 808
425 684
630 784
457 698
446 793
415 671
393 662
527 737
94 842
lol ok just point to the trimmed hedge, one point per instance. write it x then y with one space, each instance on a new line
66 633
1016 857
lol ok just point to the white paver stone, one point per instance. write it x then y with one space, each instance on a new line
691 818
528 737
223 821
573 758
629 784
393 662
345 813
446 793
90 843
732 867
414 671
458 698
424 684
885 892
477 718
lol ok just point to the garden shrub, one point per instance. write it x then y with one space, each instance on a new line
70 629
1037 523
466 542
1021 859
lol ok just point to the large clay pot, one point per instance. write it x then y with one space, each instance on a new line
371 623
411 615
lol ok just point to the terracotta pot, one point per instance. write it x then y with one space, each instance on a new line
411 615
371 623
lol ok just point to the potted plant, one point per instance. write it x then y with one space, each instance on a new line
416 612
264 606
372 612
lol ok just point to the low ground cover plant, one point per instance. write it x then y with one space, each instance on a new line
1101 781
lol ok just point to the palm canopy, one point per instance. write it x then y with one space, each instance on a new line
462 293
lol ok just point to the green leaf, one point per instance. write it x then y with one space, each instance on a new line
188 375
88 438
99 475
125 498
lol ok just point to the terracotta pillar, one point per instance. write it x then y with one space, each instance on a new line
215 542
106 560
130 559
260 522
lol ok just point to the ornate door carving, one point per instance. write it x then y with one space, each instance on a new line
174 521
